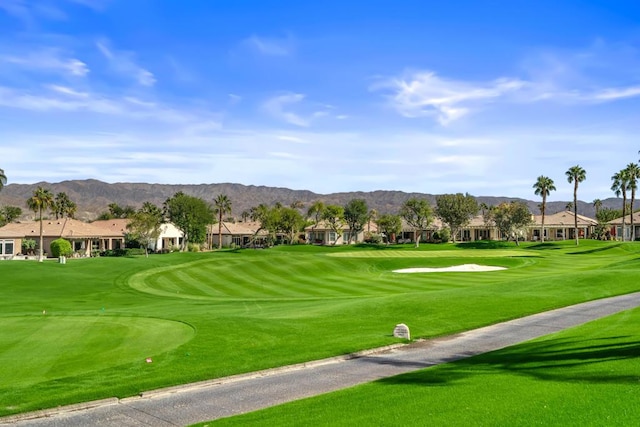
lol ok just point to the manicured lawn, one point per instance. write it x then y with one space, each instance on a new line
201 316
585 376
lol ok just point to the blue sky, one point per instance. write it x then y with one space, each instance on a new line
426 96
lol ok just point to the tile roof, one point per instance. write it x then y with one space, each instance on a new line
66 227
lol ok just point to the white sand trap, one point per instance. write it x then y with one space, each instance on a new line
455 268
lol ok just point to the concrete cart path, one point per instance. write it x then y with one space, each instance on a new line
184 405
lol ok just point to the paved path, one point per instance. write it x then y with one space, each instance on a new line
224 397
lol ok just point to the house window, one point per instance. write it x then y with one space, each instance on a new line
237 240
6 247
332 236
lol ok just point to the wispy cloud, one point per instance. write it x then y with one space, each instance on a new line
48 60
276 106
123 63
293 108
271 46
58 98
427 94
599 73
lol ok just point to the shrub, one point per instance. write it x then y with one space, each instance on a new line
29 246
61 247
193 247
444 235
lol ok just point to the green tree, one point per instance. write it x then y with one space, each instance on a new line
575 174
64 206
543 187
487 216
619 186
189 214
3 179
41 200
334 217
418 214
117 211
597 203
512 219
61 247
373 216
145 225
633 173
222 206
9 214
390 225
290 221
356 215
456 210
316 213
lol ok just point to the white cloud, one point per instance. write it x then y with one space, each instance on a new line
426 94
276 107
123 63
50 60
65 99
293 108
271 46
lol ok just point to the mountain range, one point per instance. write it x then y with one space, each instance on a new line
93 197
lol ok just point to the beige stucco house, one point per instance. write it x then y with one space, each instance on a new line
322 234
616 227
238 234
84 237
560 226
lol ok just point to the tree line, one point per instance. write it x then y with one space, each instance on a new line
192 215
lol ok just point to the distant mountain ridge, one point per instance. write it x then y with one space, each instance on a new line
93 196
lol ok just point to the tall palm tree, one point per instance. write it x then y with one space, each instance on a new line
597 203
575 175
633 173
222 206
619 186
64 206
543 186
41 200
373 216
3 179
316 211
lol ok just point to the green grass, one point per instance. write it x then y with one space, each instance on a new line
585 376
214 312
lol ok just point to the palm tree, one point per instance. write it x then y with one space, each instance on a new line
222 205
64 206
316 211
633 173
41 200
575 175
597 203
543 186
619 186
3 179
373 216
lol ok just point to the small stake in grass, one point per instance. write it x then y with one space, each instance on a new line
149 360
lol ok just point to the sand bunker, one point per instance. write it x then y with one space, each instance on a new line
452 269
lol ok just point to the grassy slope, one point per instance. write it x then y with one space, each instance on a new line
585 376
287 304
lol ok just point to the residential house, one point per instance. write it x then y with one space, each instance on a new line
616 227
84 237
560 226
239 234
322 234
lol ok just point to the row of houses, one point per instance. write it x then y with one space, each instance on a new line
98 236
